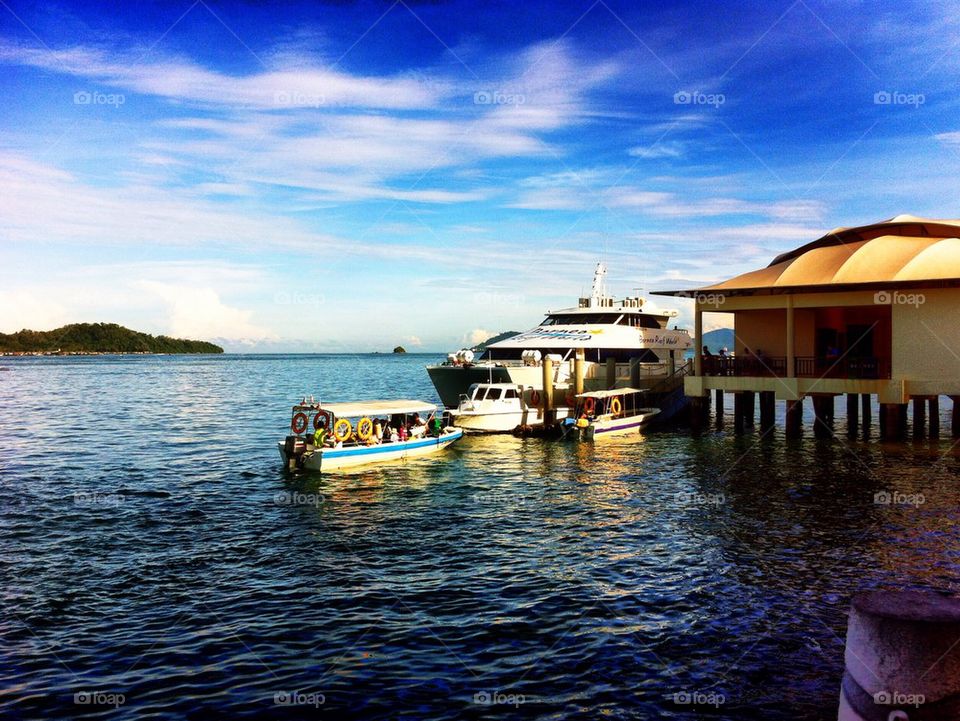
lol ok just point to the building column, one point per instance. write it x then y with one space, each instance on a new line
791 351
866 411
935 416
955 424
853 408
794 427
698 334
719 401
893 421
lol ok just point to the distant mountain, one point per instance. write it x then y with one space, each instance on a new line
98 338
496 339
717 339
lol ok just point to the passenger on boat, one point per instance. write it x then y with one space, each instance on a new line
419 427
320 437
582 421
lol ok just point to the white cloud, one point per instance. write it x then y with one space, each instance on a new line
477 336
31 310
198 313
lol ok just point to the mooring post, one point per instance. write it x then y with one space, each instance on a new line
546 399
768 410
919 417
794 427
901 659
934 416
853 408
635 373
611 372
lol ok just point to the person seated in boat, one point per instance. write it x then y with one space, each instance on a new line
418 428
320 437
403 433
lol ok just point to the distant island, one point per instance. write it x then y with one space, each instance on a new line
92 338
399 349
495 339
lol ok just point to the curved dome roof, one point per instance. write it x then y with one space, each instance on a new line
905 248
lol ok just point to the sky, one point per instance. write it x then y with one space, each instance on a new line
352 176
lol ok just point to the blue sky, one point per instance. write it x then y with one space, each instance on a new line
349 176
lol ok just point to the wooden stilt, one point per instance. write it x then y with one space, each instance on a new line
768 410
853 409
919 417
955 419
738 413
934 416
865 411
719 401
823 421
749 408
794 427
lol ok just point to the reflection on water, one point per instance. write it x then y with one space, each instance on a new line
155 548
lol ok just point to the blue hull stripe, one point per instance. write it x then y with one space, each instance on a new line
389 447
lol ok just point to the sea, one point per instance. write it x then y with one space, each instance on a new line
157 561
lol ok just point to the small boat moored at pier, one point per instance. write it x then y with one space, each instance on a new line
600 414
385 431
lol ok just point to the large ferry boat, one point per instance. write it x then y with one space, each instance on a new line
621 345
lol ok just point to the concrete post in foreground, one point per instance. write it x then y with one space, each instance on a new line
546 399
794 427
902 661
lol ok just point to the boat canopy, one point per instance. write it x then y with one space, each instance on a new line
610 393
377 408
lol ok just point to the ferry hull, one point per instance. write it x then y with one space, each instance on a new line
335 459
502 422
451 381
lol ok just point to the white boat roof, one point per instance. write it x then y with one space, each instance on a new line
377 408
610 393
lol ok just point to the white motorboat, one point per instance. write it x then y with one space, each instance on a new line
408 429
616 338
603 414
496 408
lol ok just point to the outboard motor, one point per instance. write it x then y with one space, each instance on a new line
294 447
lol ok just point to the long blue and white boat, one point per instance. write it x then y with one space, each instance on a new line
603 414
383 432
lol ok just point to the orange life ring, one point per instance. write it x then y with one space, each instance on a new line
615 406
327 416
299 423
571 399
535 397
589 405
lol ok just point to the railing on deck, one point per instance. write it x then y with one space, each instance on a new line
804 367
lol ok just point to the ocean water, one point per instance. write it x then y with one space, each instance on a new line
157 561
